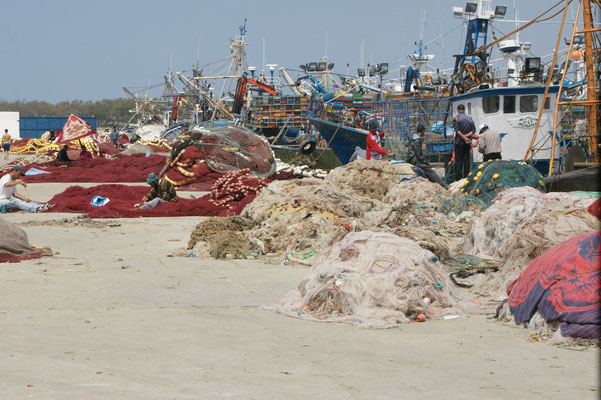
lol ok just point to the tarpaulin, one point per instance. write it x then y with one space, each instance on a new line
563 285
75 128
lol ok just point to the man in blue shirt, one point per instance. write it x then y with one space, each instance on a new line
115 137
464 130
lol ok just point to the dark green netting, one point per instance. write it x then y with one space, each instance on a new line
459 204
491 177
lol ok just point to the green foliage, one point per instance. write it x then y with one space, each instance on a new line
108 112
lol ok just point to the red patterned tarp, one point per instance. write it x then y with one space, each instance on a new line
564 285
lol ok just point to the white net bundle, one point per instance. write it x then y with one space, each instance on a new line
495 225
375 279
521 224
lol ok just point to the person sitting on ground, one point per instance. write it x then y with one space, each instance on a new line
52 136
416 157
9 196
161 191
84 151
489 143
373 149
63 155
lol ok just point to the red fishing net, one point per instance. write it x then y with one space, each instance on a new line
134 168
77 199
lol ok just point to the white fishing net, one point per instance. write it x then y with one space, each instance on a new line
375 279
521 224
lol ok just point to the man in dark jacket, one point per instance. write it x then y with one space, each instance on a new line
464 130
415 156
63 155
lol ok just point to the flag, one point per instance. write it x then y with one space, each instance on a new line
74 129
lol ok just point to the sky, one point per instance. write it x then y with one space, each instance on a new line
64 50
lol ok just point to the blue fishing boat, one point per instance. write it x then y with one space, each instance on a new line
342 139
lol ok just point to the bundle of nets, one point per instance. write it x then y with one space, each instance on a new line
492 177
521 224
533 238
489 232
224 149
14 244
300 214
214 225
428 202
366 178
374 279
233 187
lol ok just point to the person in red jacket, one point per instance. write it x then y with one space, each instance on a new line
374 150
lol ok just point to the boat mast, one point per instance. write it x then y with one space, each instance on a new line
591 97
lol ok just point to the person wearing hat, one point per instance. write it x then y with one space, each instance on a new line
9 198
415 156
489 143
161 191
374 150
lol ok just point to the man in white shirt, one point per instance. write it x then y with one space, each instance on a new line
9 197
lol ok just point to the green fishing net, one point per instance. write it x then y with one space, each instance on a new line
491 177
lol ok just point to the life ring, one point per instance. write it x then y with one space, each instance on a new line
307 146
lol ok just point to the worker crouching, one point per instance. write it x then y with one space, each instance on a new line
161 191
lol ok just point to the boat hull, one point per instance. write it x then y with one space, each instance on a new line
342 139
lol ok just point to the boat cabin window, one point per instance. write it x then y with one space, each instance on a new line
490 104
509 104
469 108
547 103
529 104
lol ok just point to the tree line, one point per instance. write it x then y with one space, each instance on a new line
108 112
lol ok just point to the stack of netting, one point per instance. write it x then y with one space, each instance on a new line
521 224
370 179
375 279
491 177
223 235
224 149
296 215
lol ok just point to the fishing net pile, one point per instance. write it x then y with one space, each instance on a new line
295 215
220 237
492 177
365 178
521 224
560 289
224 149
374 279
14 244
134 168
233 187
122 199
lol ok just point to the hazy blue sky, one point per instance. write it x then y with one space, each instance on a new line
66 49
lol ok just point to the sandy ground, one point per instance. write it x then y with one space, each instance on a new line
111 316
